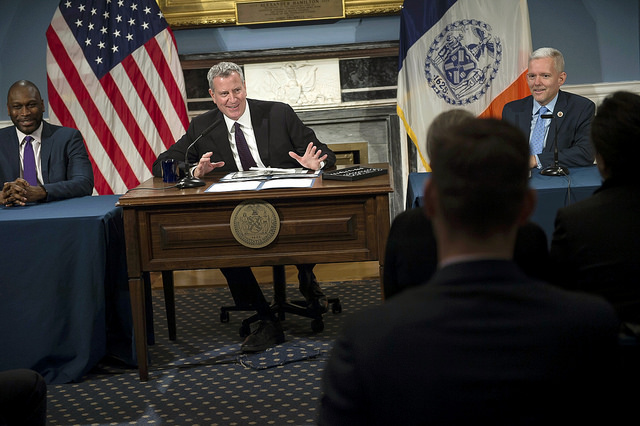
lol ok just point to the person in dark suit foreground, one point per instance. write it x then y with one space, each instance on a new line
411 254
23 398
596 242
572 114
61 166
276 137
480 343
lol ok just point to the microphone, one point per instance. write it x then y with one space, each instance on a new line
556 169
189 181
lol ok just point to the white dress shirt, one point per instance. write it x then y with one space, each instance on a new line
247 129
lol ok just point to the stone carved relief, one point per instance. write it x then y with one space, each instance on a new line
300 83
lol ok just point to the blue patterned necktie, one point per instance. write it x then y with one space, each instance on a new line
243 149
537 137
29 172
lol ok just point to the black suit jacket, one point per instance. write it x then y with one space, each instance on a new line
573 127
66 169
411 255
481 343
277 128
596 246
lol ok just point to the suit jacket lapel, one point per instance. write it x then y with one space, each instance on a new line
260 123
46 145
556 123
523 118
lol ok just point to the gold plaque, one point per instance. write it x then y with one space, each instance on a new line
255 223
214 13
262 12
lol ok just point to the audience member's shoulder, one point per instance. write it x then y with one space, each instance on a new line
411 223
531 229
582 306
412 216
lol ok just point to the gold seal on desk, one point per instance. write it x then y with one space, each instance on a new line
255 223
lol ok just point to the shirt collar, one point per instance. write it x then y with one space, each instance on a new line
551 106
36 135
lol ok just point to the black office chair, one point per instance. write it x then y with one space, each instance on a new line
281 306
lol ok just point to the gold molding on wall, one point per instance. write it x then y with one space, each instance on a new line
215 13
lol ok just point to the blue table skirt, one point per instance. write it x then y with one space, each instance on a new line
64 299
553 192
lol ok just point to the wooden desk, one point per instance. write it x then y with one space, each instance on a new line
172 229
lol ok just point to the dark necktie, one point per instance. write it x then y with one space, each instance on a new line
29 163
537 137
243 149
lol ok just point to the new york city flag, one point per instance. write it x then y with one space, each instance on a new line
468 54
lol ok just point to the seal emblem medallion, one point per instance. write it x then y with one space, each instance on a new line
255 223
462 61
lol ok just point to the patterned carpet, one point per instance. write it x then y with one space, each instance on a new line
202 378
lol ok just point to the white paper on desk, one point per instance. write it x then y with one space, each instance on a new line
245 185
288 183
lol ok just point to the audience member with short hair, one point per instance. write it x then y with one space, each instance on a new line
411 253
480 343
596 242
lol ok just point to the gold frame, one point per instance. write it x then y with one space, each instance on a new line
217 13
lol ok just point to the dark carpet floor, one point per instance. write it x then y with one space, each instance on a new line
202 379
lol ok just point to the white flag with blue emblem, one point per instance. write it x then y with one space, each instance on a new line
468 54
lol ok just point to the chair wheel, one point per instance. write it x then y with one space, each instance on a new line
224 316
317 325
245 329
336 307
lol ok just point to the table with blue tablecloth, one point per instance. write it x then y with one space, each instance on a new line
64 299
554 192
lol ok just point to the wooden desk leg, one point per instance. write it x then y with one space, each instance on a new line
136 292
169 302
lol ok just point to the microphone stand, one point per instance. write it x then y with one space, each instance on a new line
556 169
189 181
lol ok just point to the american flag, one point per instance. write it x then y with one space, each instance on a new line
113 73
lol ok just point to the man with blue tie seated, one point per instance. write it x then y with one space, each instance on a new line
572 114
249 133
40 161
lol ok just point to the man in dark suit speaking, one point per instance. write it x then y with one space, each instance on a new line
252 133
479 343
572 114
39 161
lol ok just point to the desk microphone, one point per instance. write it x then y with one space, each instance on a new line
189 181
556 169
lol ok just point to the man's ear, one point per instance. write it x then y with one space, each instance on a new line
562 78
528 206
430 198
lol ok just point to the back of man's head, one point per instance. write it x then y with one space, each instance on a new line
615 133
481 169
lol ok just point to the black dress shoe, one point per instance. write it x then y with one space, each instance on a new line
269 333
